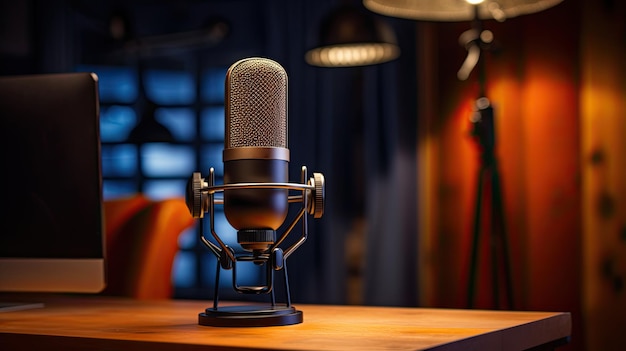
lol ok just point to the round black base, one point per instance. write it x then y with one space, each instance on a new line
250 316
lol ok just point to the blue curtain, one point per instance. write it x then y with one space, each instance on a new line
358 127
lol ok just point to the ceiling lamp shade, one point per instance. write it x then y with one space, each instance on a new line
149 130
457 10
353 37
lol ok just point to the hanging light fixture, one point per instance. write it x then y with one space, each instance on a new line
149 130
475 39
457 10
350 36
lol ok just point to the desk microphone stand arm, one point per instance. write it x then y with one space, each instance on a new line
201 199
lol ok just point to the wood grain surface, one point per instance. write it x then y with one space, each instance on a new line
96 323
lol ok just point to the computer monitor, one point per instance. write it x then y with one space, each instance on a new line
51 225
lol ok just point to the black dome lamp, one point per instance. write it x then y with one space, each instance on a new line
149 130
350 36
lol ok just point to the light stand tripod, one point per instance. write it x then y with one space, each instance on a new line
489 183
474 41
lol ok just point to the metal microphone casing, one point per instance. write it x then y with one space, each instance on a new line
255 149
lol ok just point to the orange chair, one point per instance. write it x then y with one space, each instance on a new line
141 243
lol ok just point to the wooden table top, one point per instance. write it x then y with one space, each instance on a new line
77 322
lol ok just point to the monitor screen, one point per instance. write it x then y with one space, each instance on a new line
51 225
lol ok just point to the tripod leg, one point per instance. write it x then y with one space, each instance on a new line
494 240
475 239
503 239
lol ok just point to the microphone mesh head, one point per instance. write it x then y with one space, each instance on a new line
256 99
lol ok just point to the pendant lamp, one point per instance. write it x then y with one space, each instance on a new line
457 10
351 36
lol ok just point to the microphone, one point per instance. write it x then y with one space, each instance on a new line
255 150
256 193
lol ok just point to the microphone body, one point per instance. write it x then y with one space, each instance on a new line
256 192
255 150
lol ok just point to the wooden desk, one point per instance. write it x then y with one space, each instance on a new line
87 323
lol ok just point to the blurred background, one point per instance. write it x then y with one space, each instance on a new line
394 141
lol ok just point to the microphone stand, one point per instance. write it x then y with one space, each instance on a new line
488 182
200 199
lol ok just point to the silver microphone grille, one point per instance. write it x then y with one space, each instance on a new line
256 104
